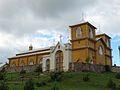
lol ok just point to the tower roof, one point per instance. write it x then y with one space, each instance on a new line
83 24
103 35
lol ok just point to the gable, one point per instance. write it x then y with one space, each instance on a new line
59 46
100 39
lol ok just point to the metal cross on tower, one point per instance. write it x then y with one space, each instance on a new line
60 37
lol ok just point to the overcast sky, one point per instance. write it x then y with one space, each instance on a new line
41 22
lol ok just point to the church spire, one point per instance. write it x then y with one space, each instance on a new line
82 17
99 30
60 38
30 47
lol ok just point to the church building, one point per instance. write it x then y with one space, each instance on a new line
85 46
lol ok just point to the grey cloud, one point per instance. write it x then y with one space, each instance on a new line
5 53
44 13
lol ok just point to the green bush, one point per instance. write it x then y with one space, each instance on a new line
55 87
29 85
107 68
86 78
111 84
88 60
22 71
56 76
118 88
3 86
40 84
39 69
2 75
117 76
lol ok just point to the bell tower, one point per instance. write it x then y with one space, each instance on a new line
83 42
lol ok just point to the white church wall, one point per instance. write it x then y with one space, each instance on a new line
66 56
45 58
52 62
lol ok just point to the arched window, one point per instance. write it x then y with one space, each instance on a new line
31 62
78 33
107 42
47 65
59 60
40 60
91 33
22 63
13 64
101 50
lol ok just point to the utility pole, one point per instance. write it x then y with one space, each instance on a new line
119 51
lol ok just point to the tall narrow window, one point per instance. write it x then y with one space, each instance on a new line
40 61
13 64
91 33
107 42
22 63
101 50
78 33
47 65
31 62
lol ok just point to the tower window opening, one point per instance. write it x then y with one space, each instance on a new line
78 32
101 50
91 33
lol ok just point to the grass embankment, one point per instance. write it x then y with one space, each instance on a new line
70 81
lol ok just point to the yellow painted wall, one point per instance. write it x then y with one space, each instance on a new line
108 51
24 60
109 61
39 58
91 44
33 58
13 61
79 43
79 55
92 55
100 58
83 29
104 37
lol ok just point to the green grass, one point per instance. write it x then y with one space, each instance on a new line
70 81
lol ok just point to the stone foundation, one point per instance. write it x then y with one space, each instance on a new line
86 67
29 68
76 67
116 69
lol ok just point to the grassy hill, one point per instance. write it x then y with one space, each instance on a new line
69 81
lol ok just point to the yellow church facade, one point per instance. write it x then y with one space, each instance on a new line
86 44
86 47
